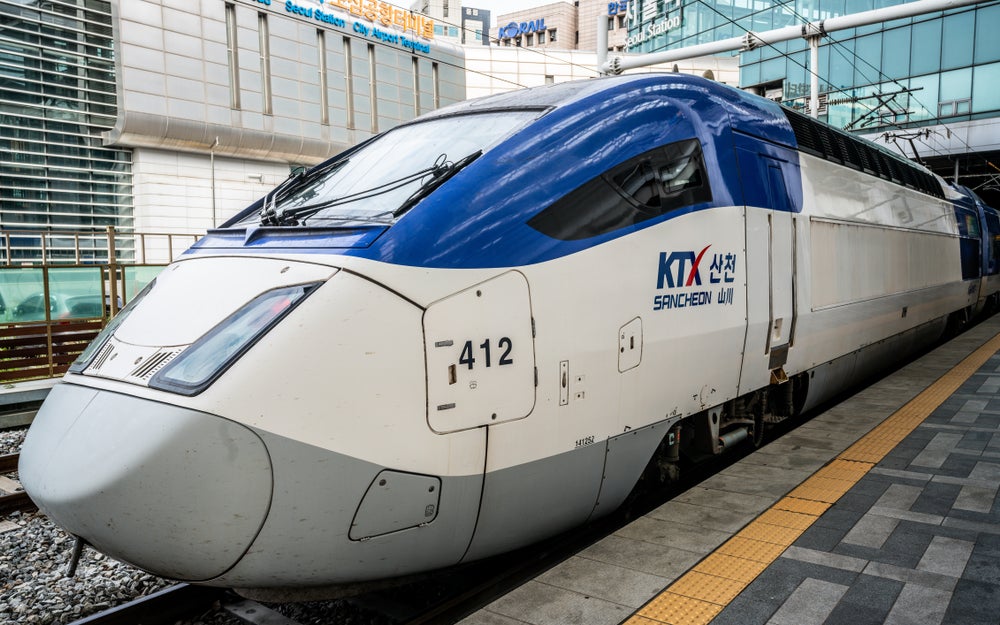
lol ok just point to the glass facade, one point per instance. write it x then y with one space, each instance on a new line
57 95
935 68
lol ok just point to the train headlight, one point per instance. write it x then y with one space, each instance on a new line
207 358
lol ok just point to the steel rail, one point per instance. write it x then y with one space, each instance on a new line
16 501
164 607
8 463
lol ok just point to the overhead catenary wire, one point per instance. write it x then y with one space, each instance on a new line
839 46
758 39
767 39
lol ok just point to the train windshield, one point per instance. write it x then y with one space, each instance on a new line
382 179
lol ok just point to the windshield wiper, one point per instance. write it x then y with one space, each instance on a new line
294 216
439 172
384 217
268 212
440 176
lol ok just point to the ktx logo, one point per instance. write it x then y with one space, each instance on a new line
673 267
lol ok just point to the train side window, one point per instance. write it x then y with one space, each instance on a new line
993 238
661 180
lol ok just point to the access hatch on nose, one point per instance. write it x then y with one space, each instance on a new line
480 355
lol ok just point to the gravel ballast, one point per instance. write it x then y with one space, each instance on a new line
34 554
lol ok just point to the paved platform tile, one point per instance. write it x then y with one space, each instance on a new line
903 526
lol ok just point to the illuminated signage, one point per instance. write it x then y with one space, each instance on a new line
648 31
391 16
516 30
616 8
652 30
387 15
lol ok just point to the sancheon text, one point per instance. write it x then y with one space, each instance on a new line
679 274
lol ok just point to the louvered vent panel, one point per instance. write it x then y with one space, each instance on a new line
840 147
102 357
153 364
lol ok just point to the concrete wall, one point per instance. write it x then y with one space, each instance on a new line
176 98
498 69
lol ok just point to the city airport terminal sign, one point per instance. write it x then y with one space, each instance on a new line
380 18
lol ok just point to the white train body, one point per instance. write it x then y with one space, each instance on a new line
468 377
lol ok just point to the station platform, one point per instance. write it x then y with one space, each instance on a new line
883 509
15 398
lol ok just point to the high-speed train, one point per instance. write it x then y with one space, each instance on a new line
481 328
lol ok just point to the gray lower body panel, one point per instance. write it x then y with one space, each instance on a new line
306 539
196 497
176 492
530 502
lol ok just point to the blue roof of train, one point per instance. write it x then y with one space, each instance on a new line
479 217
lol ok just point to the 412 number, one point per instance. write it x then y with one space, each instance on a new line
468 357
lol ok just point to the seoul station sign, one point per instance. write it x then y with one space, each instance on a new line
374 12
648 31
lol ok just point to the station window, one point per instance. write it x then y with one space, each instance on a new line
436 85
660 181
528 39
265 62
552 35
373 87
324 87
541 37
349 82
232 56
954 107
415 63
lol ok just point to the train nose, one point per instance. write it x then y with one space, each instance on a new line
177 492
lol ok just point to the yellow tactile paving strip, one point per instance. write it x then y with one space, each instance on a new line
699 595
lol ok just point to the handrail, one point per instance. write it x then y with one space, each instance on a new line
109 246
37 345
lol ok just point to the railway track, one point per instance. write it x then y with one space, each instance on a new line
176 603
12 496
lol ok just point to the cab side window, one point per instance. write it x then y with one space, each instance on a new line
647 186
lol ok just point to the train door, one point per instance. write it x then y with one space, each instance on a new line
770 241
990 242
480 356
782 268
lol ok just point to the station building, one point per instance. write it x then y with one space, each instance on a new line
495 69
471 28
926 86
562 26
171 115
